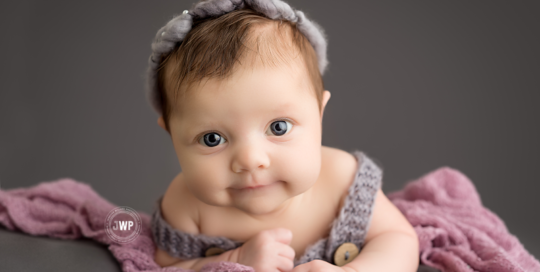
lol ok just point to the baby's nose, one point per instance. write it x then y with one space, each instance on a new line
250 157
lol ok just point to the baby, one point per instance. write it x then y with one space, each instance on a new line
238 87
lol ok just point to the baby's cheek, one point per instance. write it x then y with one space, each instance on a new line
207 182
301 166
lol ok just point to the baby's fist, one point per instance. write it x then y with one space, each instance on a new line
268 251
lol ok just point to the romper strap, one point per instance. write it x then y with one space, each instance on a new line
185 245
353 221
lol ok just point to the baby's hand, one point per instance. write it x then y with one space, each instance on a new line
269 250
320 266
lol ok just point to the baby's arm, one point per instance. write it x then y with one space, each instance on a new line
267 251
391 244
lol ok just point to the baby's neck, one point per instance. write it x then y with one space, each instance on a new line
289 208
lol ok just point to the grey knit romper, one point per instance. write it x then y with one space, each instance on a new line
349 227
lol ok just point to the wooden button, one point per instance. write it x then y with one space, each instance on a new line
213 251
345 254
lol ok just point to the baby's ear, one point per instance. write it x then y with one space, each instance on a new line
161 123
325 98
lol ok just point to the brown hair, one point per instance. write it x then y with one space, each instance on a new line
214 45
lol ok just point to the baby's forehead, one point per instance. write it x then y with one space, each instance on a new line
249 94
284 81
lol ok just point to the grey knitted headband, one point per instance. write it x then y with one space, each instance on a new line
176 30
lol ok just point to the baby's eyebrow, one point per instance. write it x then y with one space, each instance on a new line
286 106
195 126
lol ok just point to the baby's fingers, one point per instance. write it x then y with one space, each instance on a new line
286 252
284 264
281 235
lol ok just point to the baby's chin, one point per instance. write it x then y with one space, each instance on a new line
261 201
261 207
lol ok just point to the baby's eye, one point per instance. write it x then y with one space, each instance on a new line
279 128
211 139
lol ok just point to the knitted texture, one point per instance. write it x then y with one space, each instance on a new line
182 244
174 32
350 225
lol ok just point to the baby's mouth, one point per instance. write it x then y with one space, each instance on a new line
256 187
252 187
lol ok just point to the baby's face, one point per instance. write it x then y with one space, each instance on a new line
252 141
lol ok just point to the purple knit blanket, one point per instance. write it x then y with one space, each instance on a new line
456 232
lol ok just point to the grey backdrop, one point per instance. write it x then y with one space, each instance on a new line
415 84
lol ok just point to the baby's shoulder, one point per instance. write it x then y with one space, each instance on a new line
177 207
338 169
